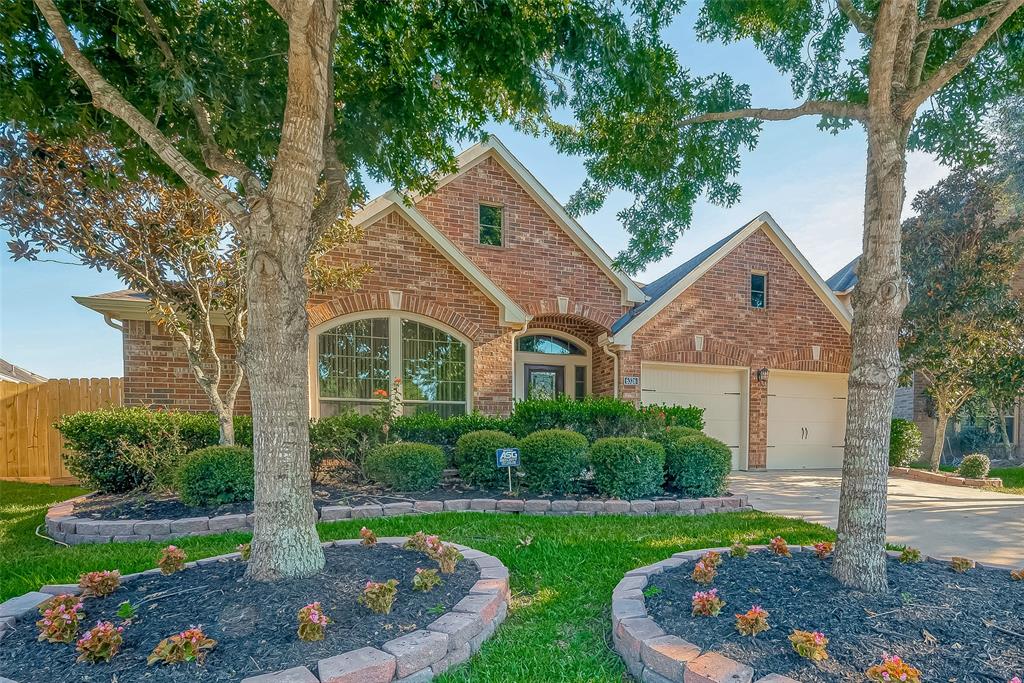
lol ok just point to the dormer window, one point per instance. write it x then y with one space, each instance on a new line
490 225
758 290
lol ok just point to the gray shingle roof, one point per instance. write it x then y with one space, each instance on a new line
846 278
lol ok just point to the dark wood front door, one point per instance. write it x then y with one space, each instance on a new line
545 381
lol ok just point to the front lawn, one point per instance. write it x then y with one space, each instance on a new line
563 570
1013 479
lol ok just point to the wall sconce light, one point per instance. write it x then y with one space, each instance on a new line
762 375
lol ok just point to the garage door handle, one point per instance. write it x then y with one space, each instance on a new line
648 390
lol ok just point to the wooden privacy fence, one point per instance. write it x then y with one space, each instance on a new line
29 445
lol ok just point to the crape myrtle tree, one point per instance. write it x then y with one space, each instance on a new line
963 329
915 74
272 111
75 200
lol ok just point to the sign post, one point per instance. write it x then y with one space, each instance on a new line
507 458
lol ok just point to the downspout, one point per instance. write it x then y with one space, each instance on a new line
515 336
615 368
110 321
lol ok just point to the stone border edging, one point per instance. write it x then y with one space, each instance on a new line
415 657
946 478
62 525
652 656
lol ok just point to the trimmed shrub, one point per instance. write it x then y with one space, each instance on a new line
678 416
698 465
974 466
474 456
627 467
670 434
215 476
904 443
348 437
553 460
595 417
406 466
427 427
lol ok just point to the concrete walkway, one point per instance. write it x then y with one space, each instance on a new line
939 520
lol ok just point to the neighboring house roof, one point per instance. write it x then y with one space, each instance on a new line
667 288
9 372
510 312
845 278
493 148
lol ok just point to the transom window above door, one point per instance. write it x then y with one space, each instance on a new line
546 343
357 361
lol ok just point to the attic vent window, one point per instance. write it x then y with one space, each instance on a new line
490 225
758 290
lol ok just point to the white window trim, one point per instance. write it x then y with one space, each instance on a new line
567 361
394 319
750 294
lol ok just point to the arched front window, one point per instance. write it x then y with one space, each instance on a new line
357 360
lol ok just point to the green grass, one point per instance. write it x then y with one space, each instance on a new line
563 570
1013 479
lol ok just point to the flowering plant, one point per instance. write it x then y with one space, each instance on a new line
706 603
369 538
753 622
312 621
1015 679
961 564
809 644
100 643
1017 575
244 551
712 559
421 542
703 573
172 559
190 645
425 579
99 584
910 555
60 619
823 549
739 550
390 406
893 669
446 555
779 546
379 597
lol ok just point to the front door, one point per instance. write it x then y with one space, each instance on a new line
545 381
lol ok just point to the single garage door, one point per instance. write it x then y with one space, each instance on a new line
806 420
721 392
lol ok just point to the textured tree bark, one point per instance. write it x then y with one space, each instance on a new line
941 421
878 303
226 420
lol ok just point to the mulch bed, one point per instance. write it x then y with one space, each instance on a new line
254 623
146 506
931 617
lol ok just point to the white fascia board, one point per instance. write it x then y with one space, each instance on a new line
511 314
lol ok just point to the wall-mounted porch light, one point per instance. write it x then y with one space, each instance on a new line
762 375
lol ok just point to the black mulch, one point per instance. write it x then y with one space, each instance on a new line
167 506
254 623
932 617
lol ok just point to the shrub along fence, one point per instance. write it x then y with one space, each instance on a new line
29 445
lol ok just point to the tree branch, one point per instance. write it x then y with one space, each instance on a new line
337 190
213 155
840 110
108 98
989 8
862 22
960 60
923 43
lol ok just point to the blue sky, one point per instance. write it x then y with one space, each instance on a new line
811 182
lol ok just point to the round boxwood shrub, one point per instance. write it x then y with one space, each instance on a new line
698 465
670 434
974 466
405 466
474 456
215 476
627 467
904 443
553 460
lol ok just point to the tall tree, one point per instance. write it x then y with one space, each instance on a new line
963 327
271 111
651 127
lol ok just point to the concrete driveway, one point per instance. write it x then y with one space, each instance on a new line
939 520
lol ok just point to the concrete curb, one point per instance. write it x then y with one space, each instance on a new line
946 478
415 657
62 525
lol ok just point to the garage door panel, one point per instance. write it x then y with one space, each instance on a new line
806 420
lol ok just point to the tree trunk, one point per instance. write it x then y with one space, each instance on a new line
226 420
878 303
941 421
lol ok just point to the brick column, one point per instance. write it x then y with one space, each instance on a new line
757 428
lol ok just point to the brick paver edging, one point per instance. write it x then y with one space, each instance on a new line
62 524
653 656
412 658
947 478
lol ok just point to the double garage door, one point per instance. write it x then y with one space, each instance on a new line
806 410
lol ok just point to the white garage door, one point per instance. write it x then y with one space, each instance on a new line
720 392
806 419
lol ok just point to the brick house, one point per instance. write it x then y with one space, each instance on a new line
486 291
912 403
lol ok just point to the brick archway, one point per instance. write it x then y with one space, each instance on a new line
802 358
683 350
551 307
382 301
